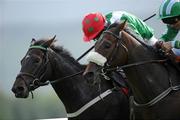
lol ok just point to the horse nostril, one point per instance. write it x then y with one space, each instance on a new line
89 77
13 90
20 89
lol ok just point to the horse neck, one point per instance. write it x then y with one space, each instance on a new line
74 92
147 80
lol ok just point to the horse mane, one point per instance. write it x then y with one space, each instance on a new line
126 29
60 51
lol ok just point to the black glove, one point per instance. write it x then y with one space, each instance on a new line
158 44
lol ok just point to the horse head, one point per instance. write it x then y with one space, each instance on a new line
35 68
106 48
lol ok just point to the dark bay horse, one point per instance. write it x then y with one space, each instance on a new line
154 81
44 61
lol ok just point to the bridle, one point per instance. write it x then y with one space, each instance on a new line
119 43
39 72
102 61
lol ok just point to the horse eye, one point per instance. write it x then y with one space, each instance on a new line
37 60
107 45
25 58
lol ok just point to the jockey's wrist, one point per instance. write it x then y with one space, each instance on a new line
152 41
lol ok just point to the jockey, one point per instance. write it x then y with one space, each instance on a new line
94 24
169 13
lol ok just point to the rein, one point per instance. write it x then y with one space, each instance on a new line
118 68
58 80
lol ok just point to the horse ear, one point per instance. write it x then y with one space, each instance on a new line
122 25
49 42
33 41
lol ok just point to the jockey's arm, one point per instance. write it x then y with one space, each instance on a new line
169 34
168 37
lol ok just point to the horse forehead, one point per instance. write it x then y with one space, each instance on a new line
36 52
109 37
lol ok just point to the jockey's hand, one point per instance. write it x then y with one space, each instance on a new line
166 46
158 44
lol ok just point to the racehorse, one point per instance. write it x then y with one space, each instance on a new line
154 80
45 61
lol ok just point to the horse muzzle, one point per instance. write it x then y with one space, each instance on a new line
90 72
20 88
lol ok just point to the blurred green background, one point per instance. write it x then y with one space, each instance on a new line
42 106
22 20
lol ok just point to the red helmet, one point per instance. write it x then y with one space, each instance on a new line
92 25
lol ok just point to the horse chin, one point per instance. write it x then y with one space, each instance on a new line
24 94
